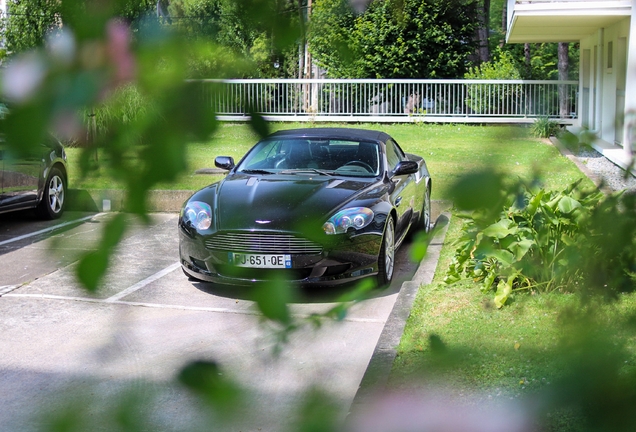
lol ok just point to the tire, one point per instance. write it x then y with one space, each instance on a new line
51 205
386 258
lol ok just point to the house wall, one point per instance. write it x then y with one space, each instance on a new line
603 69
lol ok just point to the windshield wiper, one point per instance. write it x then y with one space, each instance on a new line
256 171
305 170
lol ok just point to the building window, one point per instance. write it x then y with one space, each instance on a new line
610 56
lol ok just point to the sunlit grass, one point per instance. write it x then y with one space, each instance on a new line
450 151
500 352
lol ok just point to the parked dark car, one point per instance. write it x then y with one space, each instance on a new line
316 206
36 181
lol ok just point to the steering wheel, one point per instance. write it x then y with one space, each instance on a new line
360 164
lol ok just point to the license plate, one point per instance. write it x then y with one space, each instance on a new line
259 260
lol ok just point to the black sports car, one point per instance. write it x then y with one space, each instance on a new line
36 180
314 206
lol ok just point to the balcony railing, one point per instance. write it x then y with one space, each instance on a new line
515 101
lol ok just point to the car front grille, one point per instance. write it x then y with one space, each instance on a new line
263 243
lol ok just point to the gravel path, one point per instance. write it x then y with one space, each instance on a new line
612 175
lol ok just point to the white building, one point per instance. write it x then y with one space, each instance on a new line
3 14
606 31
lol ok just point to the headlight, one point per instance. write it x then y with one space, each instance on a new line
355 217
198 214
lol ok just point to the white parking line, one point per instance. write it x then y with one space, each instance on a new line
143 283
49 229
253 312
5 289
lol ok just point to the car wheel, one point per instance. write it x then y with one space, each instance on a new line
386 259
425 216
52 204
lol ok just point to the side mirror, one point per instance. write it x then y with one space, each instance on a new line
405 167
224 162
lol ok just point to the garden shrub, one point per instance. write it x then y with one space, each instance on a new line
486 99
546 240
545 127
126 105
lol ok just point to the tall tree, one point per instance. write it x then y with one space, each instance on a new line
28 23
264 33
482 30
221 21
393 38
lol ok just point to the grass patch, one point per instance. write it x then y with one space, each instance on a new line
450 151
531 349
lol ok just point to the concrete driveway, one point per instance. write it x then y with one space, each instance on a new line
62 346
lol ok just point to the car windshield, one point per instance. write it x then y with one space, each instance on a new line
313 156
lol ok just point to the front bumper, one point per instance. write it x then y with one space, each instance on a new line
347 258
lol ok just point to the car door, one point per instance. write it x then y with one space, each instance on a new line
20 178
403 194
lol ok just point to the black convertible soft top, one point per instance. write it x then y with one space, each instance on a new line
334 133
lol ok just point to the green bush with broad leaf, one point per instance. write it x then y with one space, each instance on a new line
547 240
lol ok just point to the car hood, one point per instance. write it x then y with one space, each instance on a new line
286 203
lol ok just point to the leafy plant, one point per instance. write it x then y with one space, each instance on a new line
126 105
406 39
544 127
485 99
531 245
502 68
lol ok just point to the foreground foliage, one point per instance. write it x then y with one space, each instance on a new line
95 55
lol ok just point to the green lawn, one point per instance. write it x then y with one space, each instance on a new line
450 151
457 339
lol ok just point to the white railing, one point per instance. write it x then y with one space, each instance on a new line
383 100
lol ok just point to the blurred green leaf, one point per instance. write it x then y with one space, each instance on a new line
272 299
92 267
114 231
206 379
318 412
436 343
258 123
479 190
24 128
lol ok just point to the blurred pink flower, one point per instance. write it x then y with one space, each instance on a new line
118 34
438 412
22 77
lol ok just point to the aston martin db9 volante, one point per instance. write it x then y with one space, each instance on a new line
34 181
314 206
